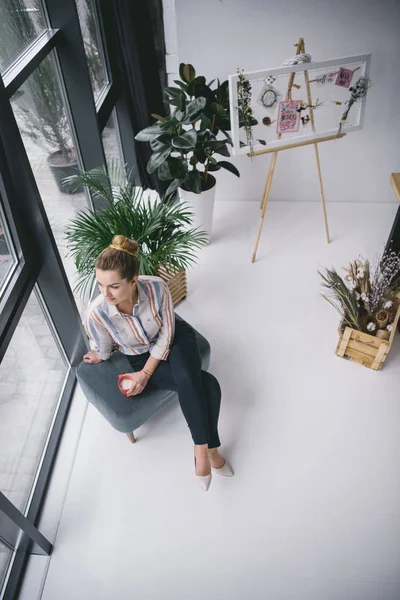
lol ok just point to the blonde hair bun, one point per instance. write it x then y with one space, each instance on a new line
120 242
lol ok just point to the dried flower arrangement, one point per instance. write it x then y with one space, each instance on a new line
244 106
365 297
358 91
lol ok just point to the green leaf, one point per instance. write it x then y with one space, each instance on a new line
206 136
173 186
175 96
177 114
193 110
223 150
158 147
205 92
169 123
182 85
201 155
214 167
218 109
173 92
160 142
228 137
229 167
224 124
187 72
195 87
150 133
178 167
193 181
157 159
219 147
158 117
205 122
223 93
163 173
187 141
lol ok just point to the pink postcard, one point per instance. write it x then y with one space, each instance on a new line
344 77
288 117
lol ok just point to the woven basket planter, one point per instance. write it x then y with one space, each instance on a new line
176 281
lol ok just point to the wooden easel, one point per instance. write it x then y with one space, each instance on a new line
300 50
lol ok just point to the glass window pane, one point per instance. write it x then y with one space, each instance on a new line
21 22
5 556
7 256
43 121
111 139
93 45
32 374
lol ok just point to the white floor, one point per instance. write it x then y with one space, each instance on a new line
313 512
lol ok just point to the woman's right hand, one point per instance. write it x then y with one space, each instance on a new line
137 380
92 358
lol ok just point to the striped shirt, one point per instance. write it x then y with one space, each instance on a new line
150 328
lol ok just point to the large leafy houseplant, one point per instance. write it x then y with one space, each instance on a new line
162 230
185 143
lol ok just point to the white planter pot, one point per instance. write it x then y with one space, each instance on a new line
202 207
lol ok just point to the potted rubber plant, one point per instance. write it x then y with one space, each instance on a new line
187 144
167 242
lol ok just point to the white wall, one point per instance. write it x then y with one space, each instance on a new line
217 36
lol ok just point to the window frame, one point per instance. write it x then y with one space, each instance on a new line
39 260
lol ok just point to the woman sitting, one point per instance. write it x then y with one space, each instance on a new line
134 315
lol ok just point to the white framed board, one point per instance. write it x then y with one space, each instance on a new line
282 119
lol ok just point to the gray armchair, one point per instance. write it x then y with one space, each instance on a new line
127 414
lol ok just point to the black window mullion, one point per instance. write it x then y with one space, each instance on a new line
53 444
18 521
106 12
106 107
19 72
13 306
40 262
20 283
103 36
34 512
75 74
127 137
35 235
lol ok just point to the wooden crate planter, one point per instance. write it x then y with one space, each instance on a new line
176 281
366 349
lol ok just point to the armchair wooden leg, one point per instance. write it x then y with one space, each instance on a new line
131 437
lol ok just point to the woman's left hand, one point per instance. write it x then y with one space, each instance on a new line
139 381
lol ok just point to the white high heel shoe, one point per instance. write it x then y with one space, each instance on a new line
203 481
226 470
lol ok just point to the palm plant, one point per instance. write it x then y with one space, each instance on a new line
162 230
